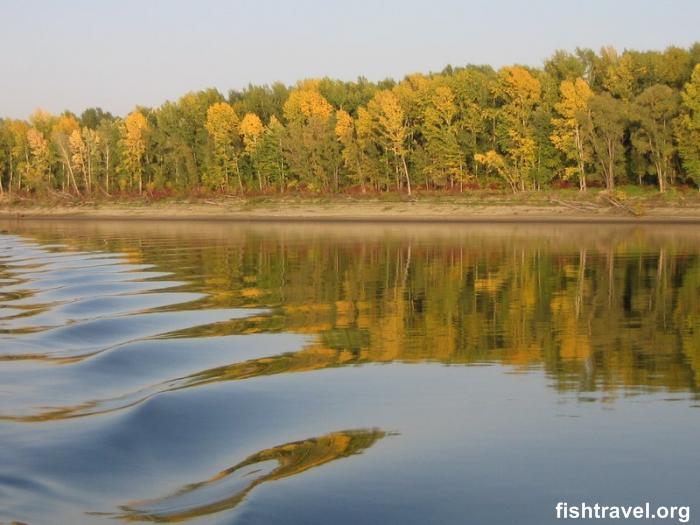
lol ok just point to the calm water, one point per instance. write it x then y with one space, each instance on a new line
218 373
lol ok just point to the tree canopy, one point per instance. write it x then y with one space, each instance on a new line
584 119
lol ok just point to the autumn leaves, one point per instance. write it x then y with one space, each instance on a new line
604 119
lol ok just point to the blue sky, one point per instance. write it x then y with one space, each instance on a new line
75 54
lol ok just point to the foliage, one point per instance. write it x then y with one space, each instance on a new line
597 118
688 129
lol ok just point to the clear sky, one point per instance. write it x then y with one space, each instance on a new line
74 54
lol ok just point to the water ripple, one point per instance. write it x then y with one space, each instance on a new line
59 308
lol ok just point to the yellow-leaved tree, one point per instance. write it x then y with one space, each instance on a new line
252 130
440 130
389 123
78 152
352 155
39 167
18 151
311 148
133 138
223 128
61 131
688 127
519 93
568 136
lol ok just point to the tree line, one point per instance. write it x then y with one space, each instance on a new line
584 118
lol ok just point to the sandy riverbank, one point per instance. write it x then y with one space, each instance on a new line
553 207
348 212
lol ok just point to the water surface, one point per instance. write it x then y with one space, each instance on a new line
243 373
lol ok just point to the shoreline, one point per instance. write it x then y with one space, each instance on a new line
358 212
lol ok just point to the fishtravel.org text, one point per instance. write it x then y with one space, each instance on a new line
647 511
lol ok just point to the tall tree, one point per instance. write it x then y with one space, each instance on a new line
472 98
252 131
352 155
568 134
617 72
688 128
655 109
374 165
311 149
109 139
79 156
390 127
223 128
17 152
605 131
440 129
93 155
92 117
39 166
519 93
133 135
270 154
61 131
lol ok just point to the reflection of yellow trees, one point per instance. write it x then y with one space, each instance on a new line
572 343
571 335
596 312
210 496
306 360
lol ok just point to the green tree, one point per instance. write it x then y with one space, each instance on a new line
654 110
604 130
270 154
688 127
92 117
17 157
110 152
618 75
568 135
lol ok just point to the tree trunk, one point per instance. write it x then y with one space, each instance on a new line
107 169
362 178
396 175
405 170
658 164
238 174
581 164
66 163
661 177
89 170
610 175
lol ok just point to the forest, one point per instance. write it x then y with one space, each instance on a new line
583 120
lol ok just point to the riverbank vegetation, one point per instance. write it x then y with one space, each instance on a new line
583 120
